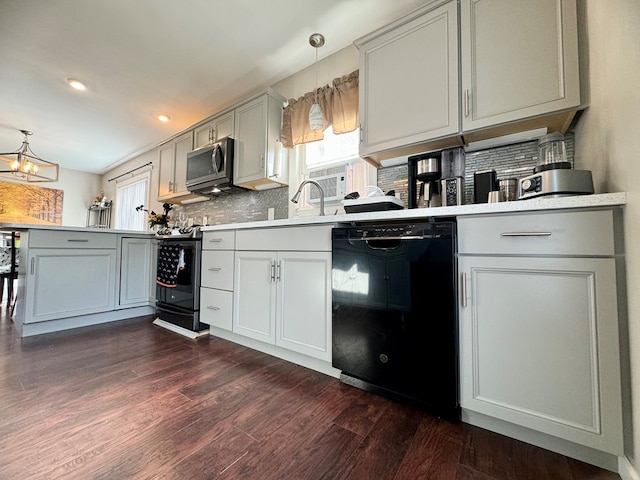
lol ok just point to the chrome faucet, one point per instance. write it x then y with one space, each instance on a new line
295 198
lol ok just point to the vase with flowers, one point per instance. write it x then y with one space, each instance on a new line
158 220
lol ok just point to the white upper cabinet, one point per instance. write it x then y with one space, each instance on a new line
519 60
212 131
409 82
259 160
172 177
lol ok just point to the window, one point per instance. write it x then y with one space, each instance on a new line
333 157
130 194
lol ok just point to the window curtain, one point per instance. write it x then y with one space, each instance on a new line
339 104
128 197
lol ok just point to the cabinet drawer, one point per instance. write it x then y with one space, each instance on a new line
71 239
308 238
219 240
549 233
217 269
216 307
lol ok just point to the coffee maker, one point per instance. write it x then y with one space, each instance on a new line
424 175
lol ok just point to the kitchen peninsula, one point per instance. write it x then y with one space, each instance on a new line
71 277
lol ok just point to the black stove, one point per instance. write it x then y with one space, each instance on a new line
178 276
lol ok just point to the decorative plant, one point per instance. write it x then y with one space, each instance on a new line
157 218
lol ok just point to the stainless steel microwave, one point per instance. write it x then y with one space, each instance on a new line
210 168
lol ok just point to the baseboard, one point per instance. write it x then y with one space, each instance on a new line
626 470
283 353
589 455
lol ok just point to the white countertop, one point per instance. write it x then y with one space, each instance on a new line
602 200
18 227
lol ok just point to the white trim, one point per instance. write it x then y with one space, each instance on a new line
626 469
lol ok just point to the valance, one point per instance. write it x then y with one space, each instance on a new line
339 104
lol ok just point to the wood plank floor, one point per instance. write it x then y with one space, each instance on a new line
131 400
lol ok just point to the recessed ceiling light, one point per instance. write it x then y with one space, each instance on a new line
164 118
77 84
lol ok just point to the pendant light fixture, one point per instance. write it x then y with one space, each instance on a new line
316 119
26 165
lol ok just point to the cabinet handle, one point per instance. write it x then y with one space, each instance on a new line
273 271
171 186
211 307
278 274
261 162
32 269
77 240
361 135
215 240
463 289
466 102
214 269
525 234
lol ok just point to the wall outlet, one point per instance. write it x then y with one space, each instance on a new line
271 213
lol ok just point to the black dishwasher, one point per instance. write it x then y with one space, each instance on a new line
394 311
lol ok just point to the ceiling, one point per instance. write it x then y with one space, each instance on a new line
185 58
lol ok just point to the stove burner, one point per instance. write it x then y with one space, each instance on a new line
180 232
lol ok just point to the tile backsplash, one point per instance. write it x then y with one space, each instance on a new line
511 161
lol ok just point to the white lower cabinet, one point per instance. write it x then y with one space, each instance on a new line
216 292
284 298
69 282
135 272
539 343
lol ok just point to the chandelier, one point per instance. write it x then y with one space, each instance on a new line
26 165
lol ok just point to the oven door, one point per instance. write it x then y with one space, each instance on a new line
185 294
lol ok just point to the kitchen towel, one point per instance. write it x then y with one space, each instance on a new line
169 262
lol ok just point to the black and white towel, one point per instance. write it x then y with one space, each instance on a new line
170 260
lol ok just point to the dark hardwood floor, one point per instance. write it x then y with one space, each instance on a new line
130 400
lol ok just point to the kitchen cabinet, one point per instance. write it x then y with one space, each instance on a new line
69 274
260 162
283 297
217 274
215 129
519 60
427 84
539 342
409 81
172 161
136 276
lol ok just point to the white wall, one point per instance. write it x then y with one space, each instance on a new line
340 63
607 141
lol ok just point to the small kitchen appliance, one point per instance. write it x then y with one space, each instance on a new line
210 168
424 176
552 153
452 191
553 175
556 183
484 182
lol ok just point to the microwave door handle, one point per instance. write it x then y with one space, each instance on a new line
217 159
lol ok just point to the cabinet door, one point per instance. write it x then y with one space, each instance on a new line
166 161
213 131
66 283
254 300
409 82
539 346
304 303
519 59
183 145
135 272
250 145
